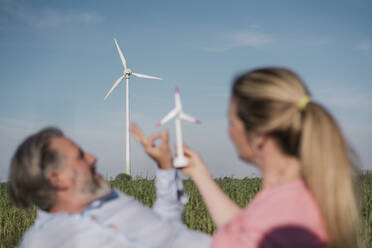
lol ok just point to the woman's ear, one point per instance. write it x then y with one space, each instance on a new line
259 141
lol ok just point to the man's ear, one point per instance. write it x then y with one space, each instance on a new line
56 180
53 178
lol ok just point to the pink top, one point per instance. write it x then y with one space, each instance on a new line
284 216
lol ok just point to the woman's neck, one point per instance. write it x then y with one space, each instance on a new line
278 168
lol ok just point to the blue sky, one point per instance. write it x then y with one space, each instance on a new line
58 59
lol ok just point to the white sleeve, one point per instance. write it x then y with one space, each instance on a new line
142 225
73 231
170 196
169 205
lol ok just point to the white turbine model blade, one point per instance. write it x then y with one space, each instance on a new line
169 116
114 86
121 55
145 76
177 98
189 118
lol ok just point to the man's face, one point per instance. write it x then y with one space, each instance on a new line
77 174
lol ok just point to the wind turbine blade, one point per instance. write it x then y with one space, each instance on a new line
189 118
114 86
169 116
145 76
177 98
121 55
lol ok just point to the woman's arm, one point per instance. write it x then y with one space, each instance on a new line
220 206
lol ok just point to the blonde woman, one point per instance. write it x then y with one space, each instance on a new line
308 197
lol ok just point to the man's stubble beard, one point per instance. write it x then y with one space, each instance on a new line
93 189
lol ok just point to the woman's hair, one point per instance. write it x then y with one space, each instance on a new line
33 160
275 102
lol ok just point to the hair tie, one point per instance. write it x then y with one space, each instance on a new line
302 103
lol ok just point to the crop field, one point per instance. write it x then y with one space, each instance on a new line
14 222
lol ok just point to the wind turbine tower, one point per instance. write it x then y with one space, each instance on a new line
126 74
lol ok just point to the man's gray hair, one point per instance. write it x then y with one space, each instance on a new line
33 160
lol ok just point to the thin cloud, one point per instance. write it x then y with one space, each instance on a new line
254 26
363 46
316 41
350 100
51 18
44 18
360 102
253 39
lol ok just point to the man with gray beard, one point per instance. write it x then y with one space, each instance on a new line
77 208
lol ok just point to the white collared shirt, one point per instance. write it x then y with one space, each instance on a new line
118 220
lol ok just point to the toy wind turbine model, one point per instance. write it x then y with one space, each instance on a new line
180 160
126 74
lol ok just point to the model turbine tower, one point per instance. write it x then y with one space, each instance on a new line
180 160
126 74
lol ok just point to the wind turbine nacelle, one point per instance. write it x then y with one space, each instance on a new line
128 72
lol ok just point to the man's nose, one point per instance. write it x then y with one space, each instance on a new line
91 158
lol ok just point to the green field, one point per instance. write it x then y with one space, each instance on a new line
14 222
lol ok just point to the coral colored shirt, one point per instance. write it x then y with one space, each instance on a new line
284 216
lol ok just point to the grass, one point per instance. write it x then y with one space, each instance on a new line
14 222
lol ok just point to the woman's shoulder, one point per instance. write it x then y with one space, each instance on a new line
288 197
285 216
288 205
286 201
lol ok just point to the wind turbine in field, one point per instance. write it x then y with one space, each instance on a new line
126 74
180 160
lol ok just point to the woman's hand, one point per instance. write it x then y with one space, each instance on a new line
161 153
196 166
220 206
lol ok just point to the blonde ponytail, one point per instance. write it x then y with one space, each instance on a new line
328 172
